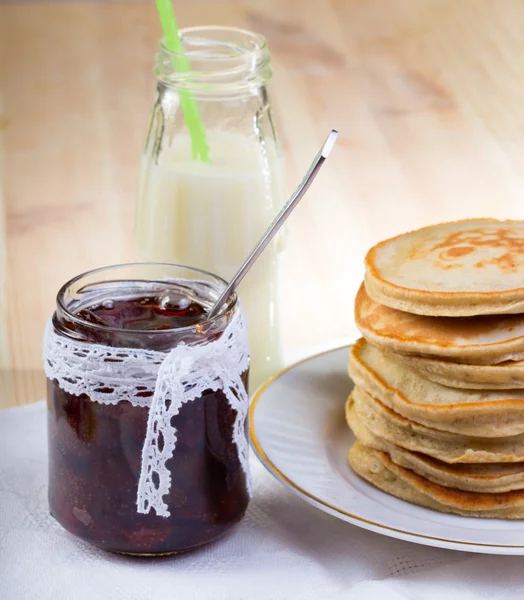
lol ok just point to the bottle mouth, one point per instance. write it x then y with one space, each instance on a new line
215 58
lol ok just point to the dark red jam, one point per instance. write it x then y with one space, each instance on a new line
163 311
95 449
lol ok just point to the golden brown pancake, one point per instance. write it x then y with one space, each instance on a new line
507 375
472 340
378 469
464 268
490 477
479 413
444 446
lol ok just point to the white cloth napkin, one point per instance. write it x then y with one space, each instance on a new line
284 549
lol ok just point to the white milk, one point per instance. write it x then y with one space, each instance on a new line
210 216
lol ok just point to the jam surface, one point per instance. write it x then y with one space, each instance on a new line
95 451
163 311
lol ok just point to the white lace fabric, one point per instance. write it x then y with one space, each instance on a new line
169 379
283 549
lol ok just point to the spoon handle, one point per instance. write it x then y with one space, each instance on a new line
278 221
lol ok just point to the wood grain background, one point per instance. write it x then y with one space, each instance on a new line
428 96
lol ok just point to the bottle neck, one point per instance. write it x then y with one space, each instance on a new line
222 60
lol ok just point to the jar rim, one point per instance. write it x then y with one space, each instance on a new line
259 41
215 58
227 310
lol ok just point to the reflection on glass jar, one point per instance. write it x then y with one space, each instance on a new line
104 351
211 214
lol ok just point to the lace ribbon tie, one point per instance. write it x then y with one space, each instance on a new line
161 381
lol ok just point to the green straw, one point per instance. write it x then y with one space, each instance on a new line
187 102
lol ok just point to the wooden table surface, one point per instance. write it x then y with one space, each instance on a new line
428 96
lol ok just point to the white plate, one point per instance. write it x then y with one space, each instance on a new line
299 433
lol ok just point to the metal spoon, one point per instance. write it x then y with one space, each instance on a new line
278 221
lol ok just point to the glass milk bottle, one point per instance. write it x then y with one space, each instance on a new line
210 213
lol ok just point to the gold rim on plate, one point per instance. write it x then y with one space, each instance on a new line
275 471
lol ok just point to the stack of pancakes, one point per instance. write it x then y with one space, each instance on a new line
438 403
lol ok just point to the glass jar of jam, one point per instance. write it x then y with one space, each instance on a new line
104 354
